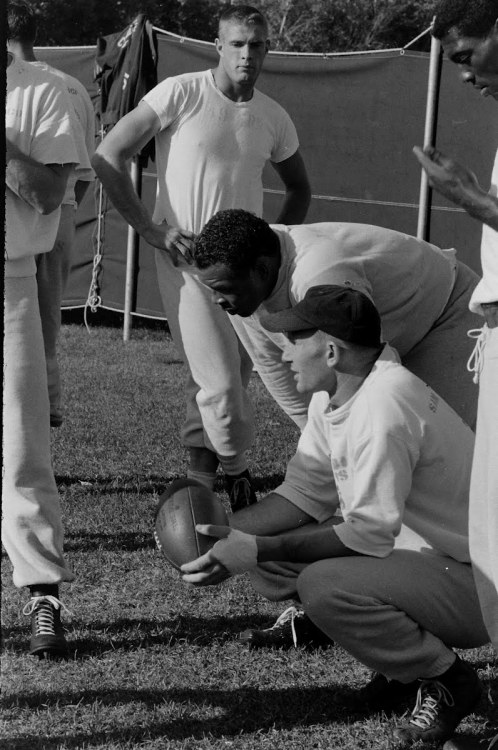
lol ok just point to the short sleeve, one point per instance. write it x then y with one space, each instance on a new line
381 479
287 142
53 141
167 100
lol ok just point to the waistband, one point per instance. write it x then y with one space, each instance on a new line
490 312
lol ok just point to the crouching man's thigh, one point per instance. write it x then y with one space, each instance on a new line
365 593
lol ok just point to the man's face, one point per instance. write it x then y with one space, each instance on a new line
309 354
477 58
237 295
242 49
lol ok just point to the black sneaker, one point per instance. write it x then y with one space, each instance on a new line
441 705
240 490
47 635
381 694
292 629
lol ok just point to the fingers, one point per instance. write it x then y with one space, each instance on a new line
179 243
210 575
209 529
204 562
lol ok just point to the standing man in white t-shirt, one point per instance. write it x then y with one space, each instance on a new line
40 156
468 30
382 565
214 134
53 268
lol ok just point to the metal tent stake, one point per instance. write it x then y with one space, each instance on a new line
435 66
131 255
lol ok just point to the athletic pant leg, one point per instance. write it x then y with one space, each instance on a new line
52 271
219 412
484 489
440 358
31 525
399 615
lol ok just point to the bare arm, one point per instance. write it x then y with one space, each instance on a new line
314 543
459 185
110 162
40 185
292 172
274 514
236 551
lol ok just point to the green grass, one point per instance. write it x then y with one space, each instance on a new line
157 664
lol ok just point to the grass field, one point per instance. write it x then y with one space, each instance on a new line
156 664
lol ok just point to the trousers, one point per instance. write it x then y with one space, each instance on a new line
219 412
32 531
52 271
483 512
399 615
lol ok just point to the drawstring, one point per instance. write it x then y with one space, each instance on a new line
475 361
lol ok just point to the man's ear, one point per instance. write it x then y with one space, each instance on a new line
219 45
262 267
334 354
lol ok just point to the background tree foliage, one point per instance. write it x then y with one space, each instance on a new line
296 25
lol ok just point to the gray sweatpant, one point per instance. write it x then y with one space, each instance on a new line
399 615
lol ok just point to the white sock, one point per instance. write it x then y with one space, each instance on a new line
233 466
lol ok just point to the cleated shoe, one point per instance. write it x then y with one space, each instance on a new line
291 630
47 634
381 694
441 705
240 491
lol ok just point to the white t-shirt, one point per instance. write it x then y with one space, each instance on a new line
211 151
38 122
400 459
487 289
409 280
84 125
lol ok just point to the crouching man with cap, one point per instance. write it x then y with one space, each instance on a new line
380 566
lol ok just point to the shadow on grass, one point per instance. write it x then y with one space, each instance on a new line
129 541
151 484
247 709
239 711
107 636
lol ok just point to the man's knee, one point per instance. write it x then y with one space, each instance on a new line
318 585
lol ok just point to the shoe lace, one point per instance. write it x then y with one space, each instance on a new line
43 608
288 616
431 695
474 363
241 491
493 742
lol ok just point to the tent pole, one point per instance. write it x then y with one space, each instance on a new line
435 66
131 255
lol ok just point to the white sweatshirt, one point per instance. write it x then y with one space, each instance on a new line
400 458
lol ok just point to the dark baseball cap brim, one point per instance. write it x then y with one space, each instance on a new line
288 320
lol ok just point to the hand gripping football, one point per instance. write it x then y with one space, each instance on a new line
184 504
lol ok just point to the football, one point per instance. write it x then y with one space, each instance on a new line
184 504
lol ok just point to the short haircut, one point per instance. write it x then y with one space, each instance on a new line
21 22
235 239
473 18
243 14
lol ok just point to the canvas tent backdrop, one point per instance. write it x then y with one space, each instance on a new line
357 115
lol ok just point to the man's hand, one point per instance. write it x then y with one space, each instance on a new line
235 552
451 179
179 243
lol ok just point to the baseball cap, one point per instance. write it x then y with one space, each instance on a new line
340 311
